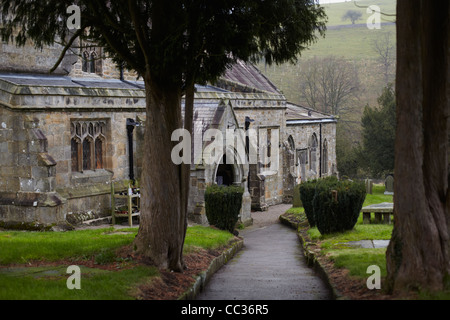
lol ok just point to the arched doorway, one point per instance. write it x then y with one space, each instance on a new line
228 174
225 173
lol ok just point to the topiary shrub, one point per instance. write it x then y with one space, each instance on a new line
307 191
340 214
329 214
222 205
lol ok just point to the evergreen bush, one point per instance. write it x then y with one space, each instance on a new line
325 212
222 205
307 191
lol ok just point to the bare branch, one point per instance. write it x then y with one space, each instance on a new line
365 7
66 47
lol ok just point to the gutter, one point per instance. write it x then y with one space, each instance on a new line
328 120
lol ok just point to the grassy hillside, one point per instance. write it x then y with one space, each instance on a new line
352 42
335 11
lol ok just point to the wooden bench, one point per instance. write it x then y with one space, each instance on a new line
382 211
132 199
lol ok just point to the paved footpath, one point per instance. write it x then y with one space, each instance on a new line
270 266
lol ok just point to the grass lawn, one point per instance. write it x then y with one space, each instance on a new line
337 249
50 253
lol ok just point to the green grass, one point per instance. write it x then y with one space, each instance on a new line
206 238
357 260
354 44
25 246
360 231
49 282
377 196
336 248
351 43
96 284
335 11
298 211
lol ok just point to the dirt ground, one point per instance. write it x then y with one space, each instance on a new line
171 285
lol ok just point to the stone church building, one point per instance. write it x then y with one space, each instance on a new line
66 137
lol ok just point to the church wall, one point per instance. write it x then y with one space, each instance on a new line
39 121
268 112
37 182
302 133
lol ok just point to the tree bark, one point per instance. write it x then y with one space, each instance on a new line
163 219
418 254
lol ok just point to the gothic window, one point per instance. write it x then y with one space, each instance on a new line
98 153
87 144
75 151
91 61
85 67
268 149
291 154
269 144
302 161
313 152
291 143
87 154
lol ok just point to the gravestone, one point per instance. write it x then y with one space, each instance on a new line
369 186
389 184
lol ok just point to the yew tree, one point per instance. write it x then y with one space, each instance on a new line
418 256
171 44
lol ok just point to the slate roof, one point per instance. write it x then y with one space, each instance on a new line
65 81
249 77
37 80
241 77
206 114
296 112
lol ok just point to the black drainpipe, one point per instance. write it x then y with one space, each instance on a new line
131 123
320 152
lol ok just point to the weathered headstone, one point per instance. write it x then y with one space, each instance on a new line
389 184
369 186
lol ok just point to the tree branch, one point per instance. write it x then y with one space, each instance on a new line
365 7
66 47
113 43
139 28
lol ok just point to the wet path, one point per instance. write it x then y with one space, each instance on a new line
270 266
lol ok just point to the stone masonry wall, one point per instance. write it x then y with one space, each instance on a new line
36 179
27 172
301 135
267 111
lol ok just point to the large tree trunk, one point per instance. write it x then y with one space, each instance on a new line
418 254
164 185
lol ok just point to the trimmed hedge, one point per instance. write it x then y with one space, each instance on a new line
307 191
324 211
222 205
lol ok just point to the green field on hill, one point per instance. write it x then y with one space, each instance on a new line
354 43
335 11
